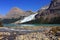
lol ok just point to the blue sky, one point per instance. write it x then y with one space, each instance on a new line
34 5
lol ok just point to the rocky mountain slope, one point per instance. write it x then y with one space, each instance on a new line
49 14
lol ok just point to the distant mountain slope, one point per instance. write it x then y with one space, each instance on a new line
15 13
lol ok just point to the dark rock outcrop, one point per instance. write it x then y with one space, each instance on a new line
51 14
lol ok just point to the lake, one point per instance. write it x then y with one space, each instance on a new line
14 25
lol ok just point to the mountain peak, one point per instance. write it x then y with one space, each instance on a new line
16 9
15 12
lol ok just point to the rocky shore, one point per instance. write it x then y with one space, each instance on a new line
29 33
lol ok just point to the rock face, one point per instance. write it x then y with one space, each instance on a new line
55 4
51 14
53 8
